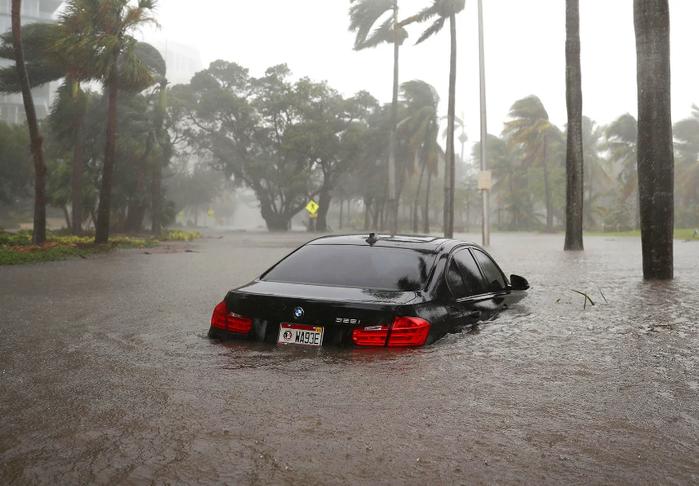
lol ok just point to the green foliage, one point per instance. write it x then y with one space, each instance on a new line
15 163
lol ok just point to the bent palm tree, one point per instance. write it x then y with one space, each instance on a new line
530 131
440 11
98 34
39 230
364 16
420 128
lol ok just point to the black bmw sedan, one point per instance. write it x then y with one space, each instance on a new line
369 290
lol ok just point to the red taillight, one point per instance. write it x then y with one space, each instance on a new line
229 321
408 331
370 336
405 332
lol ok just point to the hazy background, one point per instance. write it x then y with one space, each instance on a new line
524 51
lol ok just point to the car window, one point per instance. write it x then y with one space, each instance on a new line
495 281
456 283
472 279
366 267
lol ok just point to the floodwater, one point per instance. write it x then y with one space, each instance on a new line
106 376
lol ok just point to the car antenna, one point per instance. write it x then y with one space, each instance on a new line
372 239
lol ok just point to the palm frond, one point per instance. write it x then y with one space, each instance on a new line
431 30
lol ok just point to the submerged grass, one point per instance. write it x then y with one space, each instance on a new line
17 248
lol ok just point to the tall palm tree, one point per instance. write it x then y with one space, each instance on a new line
439 12
99 35
364 17
598 184
39 230
574 154
420 128
655 144
530 131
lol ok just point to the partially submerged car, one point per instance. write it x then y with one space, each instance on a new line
369 290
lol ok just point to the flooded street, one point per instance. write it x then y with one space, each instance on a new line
106 375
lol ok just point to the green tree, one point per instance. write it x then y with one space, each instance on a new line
574 153
420 129
686 133
530 132
99 36
364 17
439 12
15 164
621 138
598 184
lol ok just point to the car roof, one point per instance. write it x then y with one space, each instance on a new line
417 242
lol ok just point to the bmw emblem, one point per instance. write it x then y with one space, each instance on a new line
298 312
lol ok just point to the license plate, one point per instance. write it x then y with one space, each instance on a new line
300 334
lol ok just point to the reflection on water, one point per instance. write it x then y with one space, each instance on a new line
547 392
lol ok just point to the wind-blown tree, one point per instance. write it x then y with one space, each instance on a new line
621 138
655 144
47 63
574 153
420 129
598 184
686 133
510 185
365 16
36 140
530 132
439 12
15 164
98 35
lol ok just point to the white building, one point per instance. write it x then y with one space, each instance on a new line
11 106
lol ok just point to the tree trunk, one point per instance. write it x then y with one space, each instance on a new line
104 208
342 207
655 145
392 196
324 199
574 152
66 215
426 212
78 166
547 190
451 113
156 188
39 230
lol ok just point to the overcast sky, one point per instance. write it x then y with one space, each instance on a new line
524 51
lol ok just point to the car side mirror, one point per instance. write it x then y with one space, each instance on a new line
518 283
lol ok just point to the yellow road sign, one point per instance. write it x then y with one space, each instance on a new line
312 207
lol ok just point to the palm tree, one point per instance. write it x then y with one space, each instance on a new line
531 132
574 155
439 12
39 230
686 133
621 138
99 35
597 183
364 16
420 128
655 147
45 64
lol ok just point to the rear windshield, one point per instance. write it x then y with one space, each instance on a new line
364 267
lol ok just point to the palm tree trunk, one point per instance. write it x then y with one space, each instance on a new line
655 145
574 154
78 166
392 196
39 230
426 212
157 176
104 208
451 113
